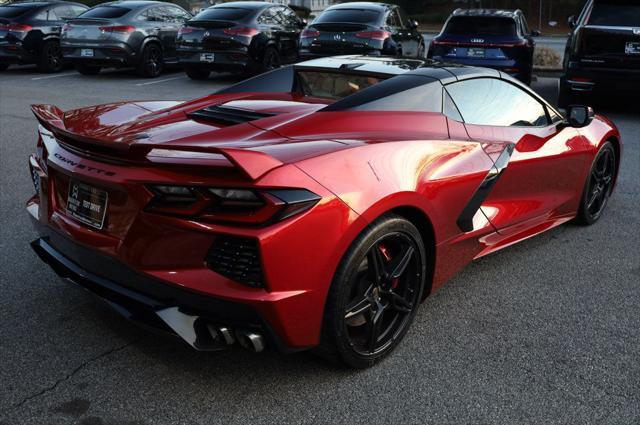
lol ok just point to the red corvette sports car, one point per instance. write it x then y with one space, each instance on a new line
314 206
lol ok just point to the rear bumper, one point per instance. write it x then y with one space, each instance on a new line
119 54
14 53
146 300
581 79
521 71
306 54
223 60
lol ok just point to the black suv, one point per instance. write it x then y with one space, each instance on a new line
603 52
498 39
128 33
30 33
239 36
362 28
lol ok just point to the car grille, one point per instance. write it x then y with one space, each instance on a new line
237 259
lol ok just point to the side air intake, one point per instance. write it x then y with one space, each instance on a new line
237 259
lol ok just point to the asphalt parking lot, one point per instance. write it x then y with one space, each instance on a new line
544 332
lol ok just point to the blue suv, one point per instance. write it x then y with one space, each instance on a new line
498 39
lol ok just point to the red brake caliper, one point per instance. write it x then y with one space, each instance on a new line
387 256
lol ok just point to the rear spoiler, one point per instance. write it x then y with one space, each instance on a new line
252 163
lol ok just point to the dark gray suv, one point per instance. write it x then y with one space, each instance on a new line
127 33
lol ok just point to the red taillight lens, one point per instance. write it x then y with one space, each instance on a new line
186 30
244 206
374 35
309 33
242 31
19 28
124 29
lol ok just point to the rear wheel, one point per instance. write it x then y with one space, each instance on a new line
375 294
197 73
151 62
51 57
271 59
599 185
85 69
4 66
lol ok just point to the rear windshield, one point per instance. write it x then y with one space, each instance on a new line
616 13
356 16
10 12
105 12
333 85
480 25
223 14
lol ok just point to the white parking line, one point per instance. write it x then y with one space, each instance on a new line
54 76
182 77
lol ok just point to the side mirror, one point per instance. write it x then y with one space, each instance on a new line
572 21
580 116
413 25
535 33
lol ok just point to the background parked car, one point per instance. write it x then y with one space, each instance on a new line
362 28
126 33
30 33
248 36
499 39
603 52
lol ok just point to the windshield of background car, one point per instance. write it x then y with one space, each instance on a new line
11 12
333 85
485 25
616 13
105 12
223 14
356 16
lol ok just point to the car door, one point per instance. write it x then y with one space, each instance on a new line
286 37
544 173
393 25
169 26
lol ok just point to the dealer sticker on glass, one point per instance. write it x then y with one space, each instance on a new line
87 204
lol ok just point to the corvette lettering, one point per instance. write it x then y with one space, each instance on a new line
81 166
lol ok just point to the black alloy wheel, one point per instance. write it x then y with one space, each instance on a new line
51 57
151 62
599 185
375 294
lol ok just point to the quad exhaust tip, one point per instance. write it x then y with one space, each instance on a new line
204 336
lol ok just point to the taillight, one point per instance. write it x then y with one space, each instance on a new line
186 30
374 35
125 29
242 31
309 33
18 28
231 205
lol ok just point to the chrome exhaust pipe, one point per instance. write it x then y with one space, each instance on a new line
251 341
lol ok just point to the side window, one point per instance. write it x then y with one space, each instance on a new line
291 17
267 18
153 15
404 20
179 15
525 26
450 109
489 101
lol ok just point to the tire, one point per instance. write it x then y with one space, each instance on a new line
599 186
151 62
367 313
85 69
50 60
4 66
270 60
197 73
